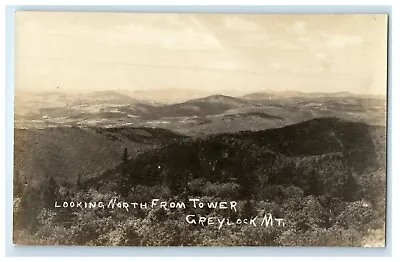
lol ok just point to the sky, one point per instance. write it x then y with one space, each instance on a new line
78 51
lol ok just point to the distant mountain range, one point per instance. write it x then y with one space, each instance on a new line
169 96
208 114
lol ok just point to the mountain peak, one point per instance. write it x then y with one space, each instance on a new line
221 99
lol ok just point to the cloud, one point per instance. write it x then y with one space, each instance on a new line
276 66
257 40
283 44
299 27
225 65
338 40
305 70
183 34
190 37
29 26
305 39
321 56
235 23
324 61
62 28
175 20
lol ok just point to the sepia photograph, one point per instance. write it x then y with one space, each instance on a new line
190 129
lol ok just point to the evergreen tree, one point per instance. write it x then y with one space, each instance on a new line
175 183
350 187
125 156
315 182
79 182
124 182
50 192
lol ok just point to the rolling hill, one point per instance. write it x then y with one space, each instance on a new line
329 146
211 105
66 152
